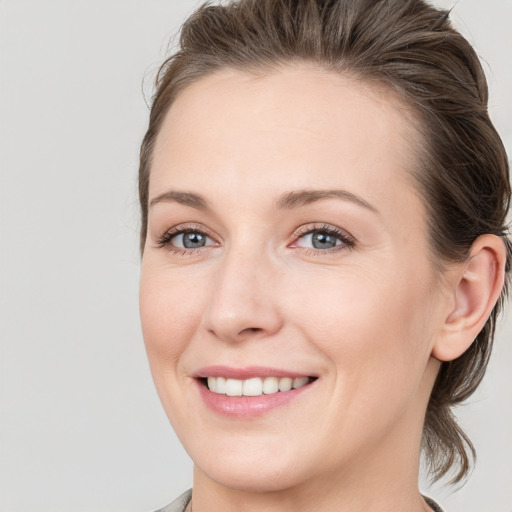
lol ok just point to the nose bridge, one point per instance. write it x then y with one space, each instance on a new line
243 303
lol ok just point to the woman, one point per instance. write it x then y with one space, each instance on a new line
324 249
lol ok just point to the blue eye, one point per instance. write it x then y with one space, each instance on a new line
320 240
324 238
190 240
186 239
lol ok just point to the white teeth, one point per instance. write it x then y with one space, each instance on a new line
299 382
255 386
234 387
217 385
270 385
220 385
285 384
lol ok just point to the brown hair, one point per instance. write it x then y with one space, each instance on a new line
412 48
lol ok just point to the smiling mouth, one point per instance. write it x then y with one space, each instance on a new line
255 386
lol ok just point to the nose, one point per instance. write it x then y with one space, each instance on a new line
244 301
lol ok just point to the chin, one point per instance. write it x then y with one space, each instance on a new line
253 478
249 465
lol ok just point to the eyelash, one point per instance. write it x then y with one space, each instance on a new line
164 241
347 241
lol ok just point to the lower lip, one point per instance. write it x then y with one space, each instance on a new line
246 407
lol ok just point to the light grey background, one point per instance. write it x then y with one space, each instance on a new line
81 428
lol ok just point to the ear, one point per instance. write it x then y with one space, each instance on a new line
474 288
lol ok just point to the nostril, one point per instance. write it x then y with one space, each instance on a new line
251 330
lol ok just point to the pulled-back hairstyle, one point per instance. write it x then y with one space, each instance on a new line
412 48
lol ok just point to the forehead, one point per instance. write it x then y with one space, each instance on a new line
300 127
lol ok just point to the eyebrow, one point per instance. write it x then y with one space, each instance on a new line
287 201
299 198
185 198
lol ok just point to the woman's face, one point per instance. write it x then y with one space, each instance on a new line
287 246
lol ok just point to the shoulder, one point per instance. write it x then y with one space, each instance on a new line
179 504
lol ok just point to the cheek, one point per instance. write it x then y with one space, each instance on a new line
169 316
373 334
371 326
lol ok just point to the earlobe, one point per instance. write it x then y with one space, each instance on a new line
475 291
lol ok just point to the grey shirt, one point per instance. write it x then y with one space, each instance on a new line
180 504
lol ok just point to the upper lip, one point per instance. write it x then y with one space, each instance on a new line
246 372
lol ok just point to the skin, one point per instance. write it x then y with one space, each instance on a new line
363 318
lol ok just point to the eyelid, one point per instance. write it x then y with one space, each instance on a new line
164 240
347 240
